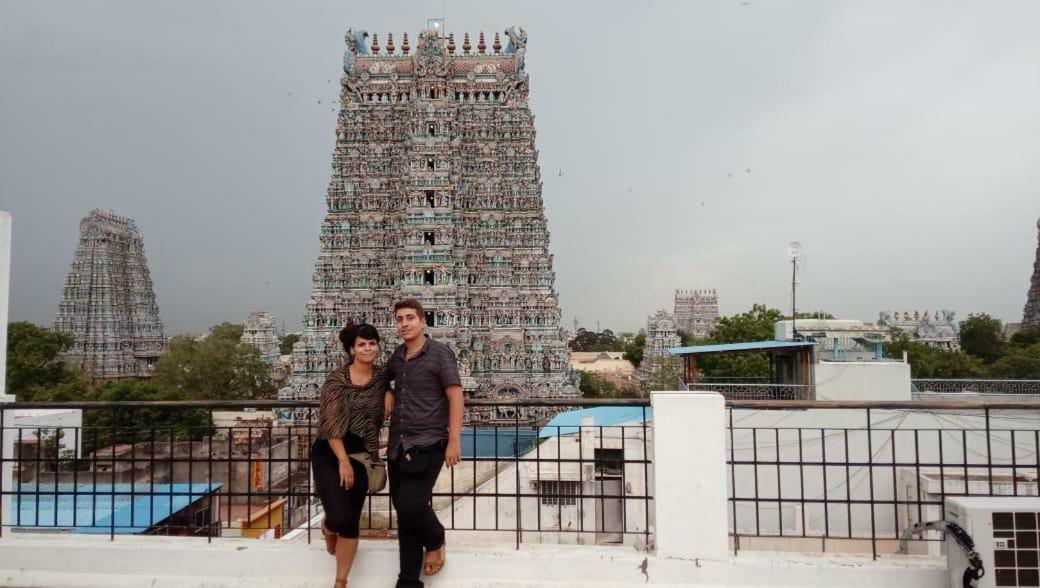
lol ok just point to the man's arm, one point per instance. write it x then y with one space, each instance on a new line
453 453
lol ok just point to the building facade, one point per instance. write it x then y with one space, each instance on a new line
1031 315
436 195
938 329
108 301
661 334
260 332
696 311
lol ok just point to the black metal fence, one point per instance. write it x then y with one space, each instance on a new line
213 469
854 476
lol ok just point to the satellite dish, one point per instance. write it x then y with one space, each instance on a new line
794 250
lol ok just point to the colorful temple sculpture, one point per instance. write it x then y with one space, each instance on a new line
1031 315
260 332
661 333
938 329
436 194
108 302
696 311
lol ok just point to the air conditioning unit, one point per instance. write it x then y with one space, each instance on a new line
1006 534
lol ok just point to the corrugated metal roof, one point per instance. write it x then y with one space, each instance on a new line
746 346
90 508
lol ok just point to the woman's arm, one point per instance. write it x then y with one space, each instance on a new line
346 471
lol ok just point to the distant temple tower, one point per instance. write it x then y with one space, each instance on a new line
436 195
661 333
696 311
1031 316
108 303
259 331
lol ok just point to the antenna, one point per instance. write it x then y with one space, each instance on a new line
436 24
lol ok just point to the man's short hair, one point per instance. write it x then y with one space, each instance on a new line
411 303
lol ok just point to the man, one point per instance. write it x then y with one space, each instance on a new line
425 433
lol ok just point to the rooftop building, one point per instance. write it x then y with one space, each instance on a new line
938 329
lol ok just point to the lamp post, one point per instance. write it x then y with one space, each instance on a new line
794 251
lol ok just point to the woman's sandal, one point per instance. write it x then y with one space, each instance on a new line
330 540
431 568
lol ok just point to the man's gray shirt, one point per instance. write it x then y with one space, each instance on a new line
420 417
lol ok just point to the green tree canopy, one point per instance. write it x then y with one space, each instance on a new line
982 336
225 330
595 386
755 325
634 350
593 341
35 365
929 362
288 342
217 368
103 427
1019 363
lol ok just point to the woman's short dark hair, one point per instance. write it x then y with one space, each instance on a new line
351 333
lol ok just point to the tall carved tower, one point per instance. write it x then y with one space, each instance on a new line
696 311
436 195
108 303
1031 316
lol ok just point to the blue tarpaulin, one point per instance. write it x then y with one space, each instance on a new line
567 423
100 508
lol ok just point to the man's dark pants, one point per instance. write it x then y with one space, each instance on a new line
417 526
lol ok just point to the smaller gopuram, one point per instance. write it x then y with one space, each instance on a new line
696 311
1031 315
260 332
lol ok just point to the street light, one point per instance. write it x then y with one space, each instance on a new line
794 251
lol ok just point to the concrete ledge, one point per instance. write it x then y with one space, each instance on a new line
167 562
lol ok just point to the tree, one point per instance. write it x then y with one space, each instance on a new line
815 314
593 341
929 362
217 368
594 385
225 330
1019 363
982 336
103 427
686 339
1025 338
755 325
34 361
666 373
634 350
288 342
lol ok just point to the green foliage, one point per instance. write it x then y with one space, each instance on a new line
288 342
595 386
225 330
217 368
634 349
686 339
756 324
1019 363
814 314
929 362
34 363
1025 338
103 427
593 341
982 336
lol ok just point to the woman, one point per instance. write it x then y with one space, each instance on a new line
351 411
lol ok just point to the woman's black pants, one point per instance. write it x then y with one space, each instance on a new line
342 507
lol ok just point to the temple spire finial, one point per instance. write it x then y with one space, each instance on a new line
389 43
375 43
481 45
404 45
451 43
465 44
498 44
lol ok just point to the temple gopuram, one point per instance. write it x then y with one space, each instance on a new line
108 302
436 194
260 331
1031 315
696 311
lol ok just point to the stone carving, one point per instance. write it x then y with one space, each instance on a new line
661 333
435 194
696 311
1031 314
259 331
108 302
938 329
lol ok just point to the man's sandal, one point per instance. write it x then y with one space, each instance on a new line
430 568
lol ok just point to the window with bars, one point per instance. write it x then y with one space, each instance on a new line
558 492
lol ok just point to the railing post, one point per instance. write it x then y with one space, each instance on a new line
6 416
689 460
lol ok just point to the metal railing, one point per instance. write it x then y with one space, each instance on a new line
854 476
174 468
976 386
756 391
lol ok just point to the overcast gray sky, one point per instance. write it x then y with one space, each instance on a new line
898 141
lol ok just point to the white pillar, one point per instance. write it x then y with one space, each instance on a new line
7 447
689 460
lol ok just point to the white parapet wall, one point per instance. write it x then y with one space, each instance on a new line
863 380
7 446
